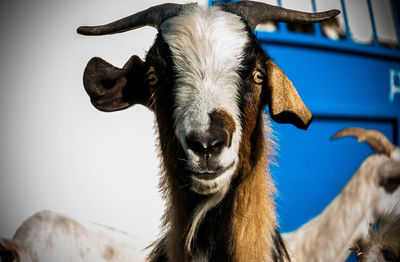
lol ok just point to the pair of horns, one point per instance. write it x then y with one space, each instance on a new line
374 138
253 12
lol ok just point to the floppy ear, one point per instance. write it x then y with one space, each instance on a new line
111 88
285 104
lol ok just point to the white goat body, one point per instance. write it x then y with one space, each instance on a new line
48 236
329 236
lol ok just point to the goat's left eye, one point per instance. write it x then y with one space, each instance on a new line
387 255
258 77
151 77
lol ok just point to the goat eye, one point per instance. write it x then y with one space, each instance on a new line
387 255
258 77
359 254
151 77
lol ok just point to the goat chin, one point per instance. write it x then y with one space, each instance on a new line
212 186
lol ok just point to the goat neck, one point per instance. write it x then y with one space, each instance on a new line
329 236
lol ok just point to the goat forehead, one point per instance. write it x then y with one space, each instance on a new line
207 47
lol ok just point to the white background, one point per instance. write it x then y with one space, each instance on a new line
57 152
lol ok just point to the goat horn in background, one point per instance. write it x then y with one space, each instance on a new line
152 16
374 138
257 12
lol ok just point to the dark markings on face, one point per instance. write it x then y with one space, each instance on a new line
208 146
222 120
251 103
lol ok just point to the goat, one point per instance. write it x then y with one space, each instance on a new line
208 80
382 243
47 236
329 236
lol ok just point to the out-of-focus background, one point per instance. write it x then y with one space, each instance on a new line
58 152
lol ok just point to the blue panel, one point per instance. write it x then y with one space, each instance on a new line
339 83
312 169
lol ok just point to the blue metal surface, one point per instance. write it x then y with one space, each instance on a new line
336 83
344 83
318 41
313 169
342 90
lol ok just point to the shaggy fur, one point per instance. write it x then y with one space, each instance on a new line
346 220
244 211
329 236
207 80
382 243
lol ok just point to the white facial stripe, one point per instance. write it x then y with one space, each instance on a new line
207 48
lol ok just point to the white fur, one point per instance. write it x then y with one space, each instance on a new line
329 236
49 237
207 48
207 187
395 154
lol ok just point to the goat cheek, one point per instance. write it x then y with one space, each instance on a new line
252 97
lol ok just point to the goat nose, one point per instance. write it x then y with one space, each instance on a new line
211 144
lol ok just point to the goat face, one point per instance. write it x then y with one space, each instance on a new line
207 79
207 48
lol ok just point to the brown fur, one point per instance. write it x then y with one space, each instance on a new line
246 215
254 217
249 216
225 120
237 223
254 210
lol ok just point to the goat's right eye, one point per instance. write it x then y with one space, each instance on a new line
151 77
358 252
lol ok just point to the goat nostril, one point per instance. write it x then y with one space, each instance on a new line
196 145
219 142
207 145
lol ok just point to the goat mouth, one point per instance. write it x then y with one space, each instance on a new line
212 174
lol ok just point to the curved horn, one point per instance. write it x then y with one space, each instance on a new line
257 12
374 138
152 16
